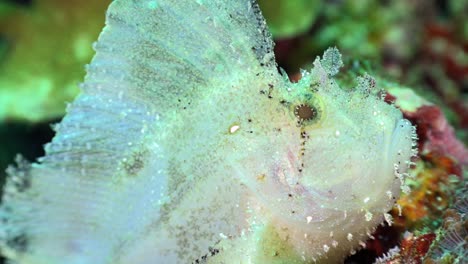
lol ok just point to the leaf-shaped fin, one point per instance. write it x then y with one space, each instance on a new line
331 61
105 176
179 49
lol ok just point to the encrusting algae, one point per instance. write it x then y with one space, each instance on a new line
186 145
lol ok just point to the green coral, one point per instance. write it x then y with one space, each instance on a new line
291 17
44 49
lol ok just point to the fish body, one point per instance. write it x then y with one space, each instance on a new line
186 145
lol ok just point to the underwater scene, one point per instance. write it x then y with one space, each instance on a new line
233 131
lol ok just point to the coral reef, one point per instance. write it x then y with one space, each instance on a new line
289 18
45 43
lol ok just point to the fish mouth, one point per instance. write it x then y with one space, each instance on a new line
400 147
402 138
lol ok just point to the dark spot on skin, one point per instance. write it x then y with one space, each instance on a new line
304 138
204 258
314 86
18 243
268 93
270 90
135 162
261 177
213 251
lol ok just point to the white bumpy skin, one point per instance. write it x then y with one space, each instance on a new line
187 146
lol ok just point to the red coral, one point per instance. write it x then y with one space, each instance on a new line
413 249
436 135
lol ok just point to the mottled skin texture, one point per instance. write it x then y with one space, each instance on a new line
187 145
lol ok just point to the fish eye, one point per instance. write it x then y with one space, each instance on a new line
305 112
308 111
